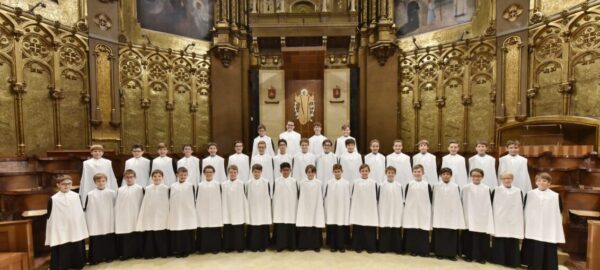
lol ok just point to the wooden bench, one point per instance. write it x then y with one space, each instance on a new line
593 244
14 261
579 205
16 237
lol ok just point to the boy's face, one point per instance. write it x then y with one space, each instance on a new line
208 174
364 173
187 151
310 174
282 148
542 184
327 148
391 174
290 126
507 180
513 149
212 150
157 178
304 147
346 132
261 148
129 179
337 173
481 149
350 147
262 132
317 130
375 147
446 177
137 152
423 148
97 153
64 186
101 183
182 176
476 178
256 174
163 152
397 147
417 173
238 147
233 174
453 148
285 172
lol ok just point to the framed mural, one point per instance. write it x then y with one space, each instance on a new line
189 18
419 16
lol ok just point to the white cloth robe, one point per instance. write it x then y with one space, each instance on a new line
219 164
486 163
192 164
277 160
315 144
363 205
208 205
90 168
242 161
141 167
310 204
267 141
447 207
337 202
127 208
100 211
376 164
182 207
293 141
340 145
351 166
259 201
285 200
266 162
517 165
543 220
66 223
429 162
234 203
401 162
325 164
417 206
507 207
459 169
302 160
165 164
477 206
390 205
154 212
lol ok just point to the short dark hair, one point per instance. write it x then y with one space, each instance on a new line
480 171
337 167
257 167
285 165
137 146
446 170
281 141
129 171
350 141
310 167
182 170
208 167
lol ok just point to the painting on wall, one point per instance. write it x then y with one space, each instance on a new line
190 18
419 16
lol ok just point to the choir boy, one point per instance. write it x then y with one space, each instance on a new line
100 217
479 218
401 162
325 162
139 164
316 141
208 212
310 218
351 161
337 210
303 159
486 163
127 209
376 162
340 143
92 166
292 138
448 217
262 137
280 158
285 201
390 207
182 215
507 206
456 163
264 160
191 163
428 161
259 205
416 218
235 211
363 212
165 164
241 160
216 161
517 165
153 218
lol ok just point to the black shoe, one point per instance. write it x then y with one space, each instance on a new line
333 250
370 251
412 254
439 257
452 259
215 252
358 250
262 250
481 261
468 259
342 250
317 250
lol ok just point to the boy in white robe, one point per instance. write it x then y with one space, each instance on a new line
153 218
456 163
543 226
363 212
340 142
280 158
401 162
235 211
139 164
351 161
127 209
91 167
265 161
337 210
65 211
303 159
310 217
428 161
258 191
448 217
262 137
325 163
507 205
191 163
285 201
100 217
182 215
416 218
165 164
292 138
209 214
390 206
376 162
486 163
316 140
479 218
216 161
241 160
517 165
